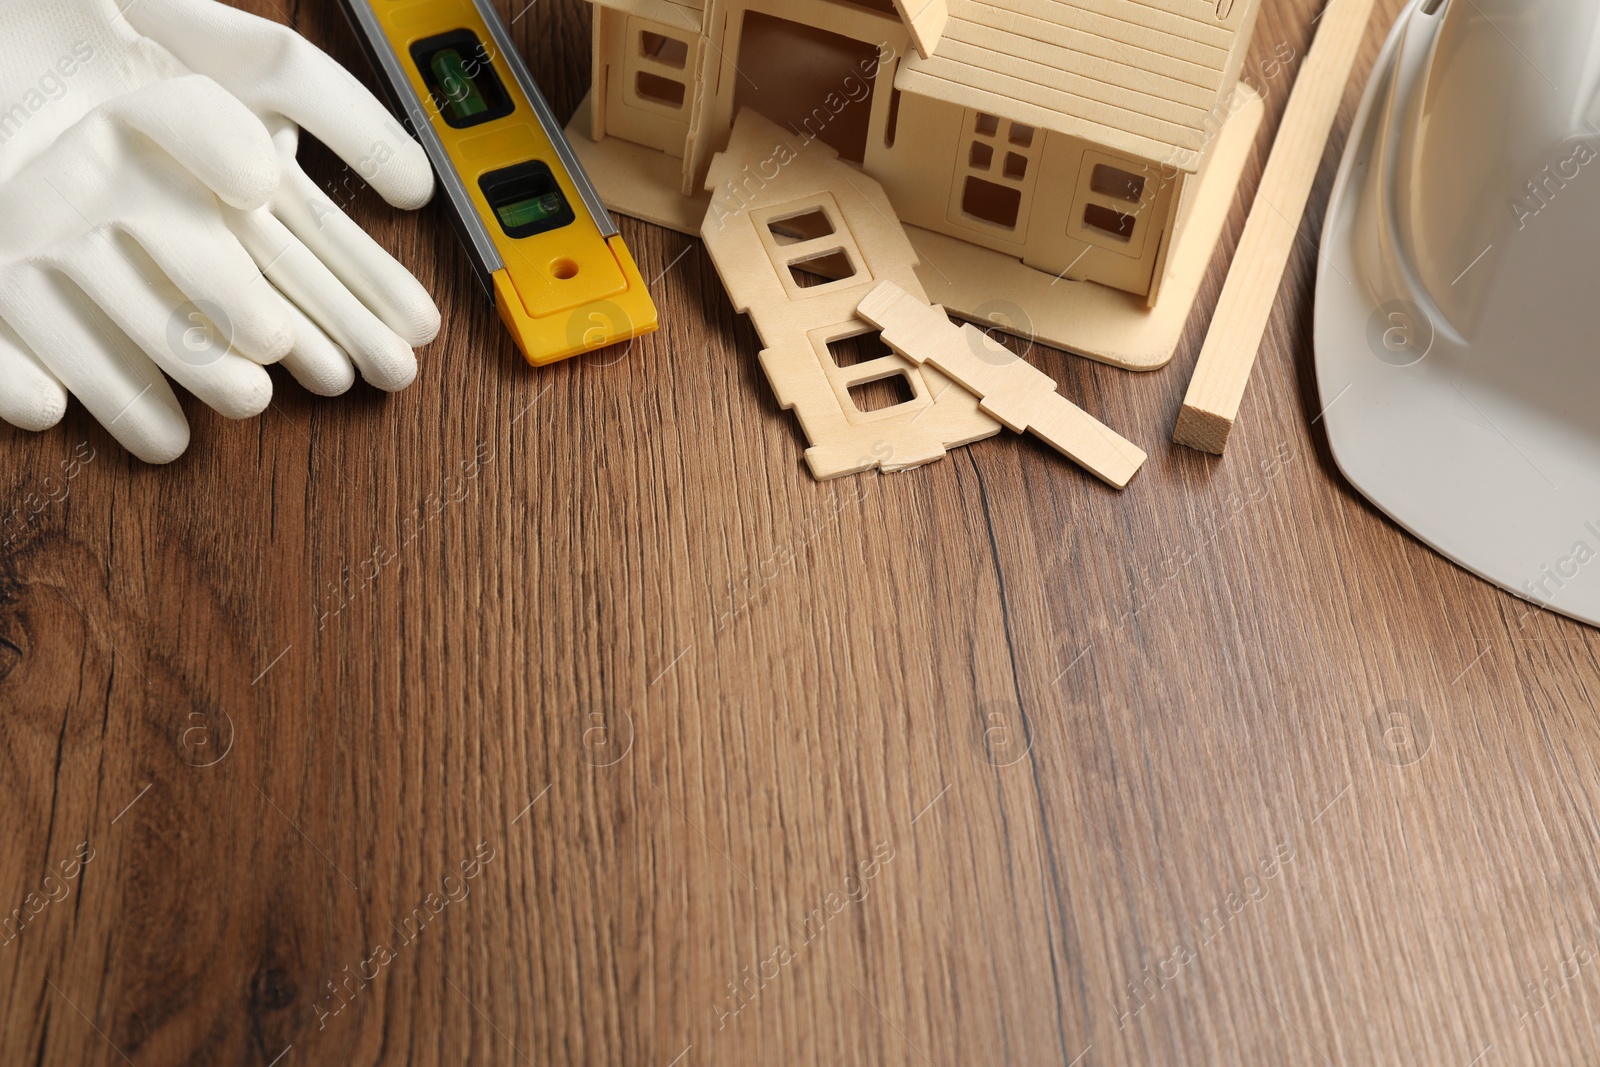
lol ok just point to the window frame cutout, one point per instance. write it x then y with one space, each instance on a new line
996 173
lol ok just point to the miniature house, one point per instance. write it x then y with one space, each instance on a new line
1064 135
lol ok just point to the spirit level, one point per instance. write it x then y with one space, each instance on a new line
544 246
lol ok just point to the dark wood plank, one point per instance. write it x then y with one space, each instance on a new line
981 763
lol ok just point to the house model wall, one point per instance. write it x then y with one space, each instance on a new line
1065 134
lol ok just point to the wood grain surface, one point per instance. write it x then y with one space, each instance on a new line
560 717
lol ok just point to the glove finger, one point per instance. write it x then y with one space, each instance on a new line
181 337
97 363
324 99
385 360
208 132
376 278
272 68
205 260
30 396
316 362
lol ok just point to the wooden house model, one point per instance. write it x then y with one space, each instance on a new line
1049 158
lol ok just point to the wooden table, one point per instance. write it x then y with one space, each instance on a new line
983 763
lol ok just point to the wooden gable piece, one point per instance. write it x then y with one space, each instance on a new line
776 208
926 20
1012 390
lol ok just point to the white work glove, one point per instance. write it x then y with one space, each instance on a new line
104 240
102 227
366 304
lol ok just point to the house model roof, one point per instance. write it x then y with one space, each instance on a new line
1138 76
1142 77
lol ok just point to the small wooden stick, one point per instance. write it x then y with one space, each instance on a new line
1220 377
1008 388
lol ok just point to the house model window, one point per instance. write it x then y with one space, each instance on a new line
661 77
650 70
810 244
1112 209
995 181
1114 183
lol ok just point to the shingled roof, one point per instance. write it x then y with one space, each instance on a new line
1138 76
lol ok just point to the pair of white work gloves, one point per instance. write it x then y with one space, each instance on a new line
153 218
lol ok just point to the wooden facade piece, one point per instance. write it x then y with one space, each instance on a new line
1223 370
648 59
799 238
1010 389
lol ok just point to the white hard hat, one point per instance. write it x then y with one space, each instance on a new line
1458 303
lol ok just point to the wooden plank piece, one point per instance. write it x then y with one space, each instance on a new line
1229 354
1012 390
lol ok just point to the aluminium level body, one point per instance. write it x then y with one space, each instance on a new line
542 243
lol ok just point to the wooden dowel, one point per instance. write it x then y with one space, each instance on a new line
1229 354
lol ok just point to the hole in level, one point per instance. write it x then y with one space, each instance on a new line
987 125
564 269
820 270
980 157
892 125
806 226
1114 181
658 90
991 203
862 348
663 49
880 394
1114 223
1016 166
1021 136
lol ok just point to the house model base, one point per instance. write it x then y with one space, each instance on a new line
979 284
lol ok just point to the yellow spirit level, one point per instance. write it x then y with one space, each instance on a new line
543 245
